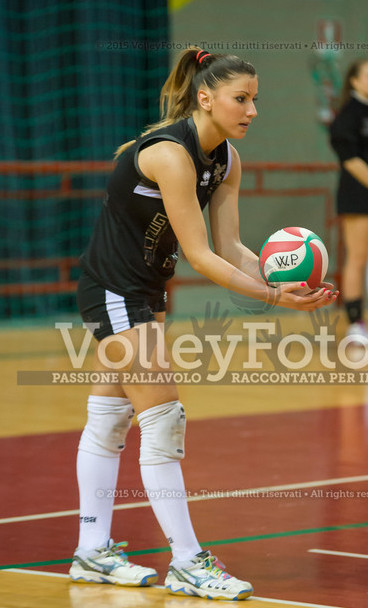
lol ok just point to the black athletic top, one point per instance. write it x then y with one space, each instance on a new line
349 138
133 249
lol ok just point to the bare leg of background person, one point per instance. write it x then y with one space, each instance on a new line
355 229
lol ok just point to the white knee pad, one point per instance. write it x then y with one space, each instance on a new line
109 420
162 433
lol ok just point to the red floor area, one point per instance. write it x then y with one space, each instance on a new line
38 476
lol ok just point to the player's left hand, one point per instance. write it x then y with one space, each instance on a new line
329 289
326 285
292 295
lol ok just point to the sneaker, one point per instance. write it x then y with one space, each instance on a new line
110 565
358 330
203 578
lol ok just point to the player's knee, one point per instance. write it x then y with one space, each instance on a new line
109 421
162 433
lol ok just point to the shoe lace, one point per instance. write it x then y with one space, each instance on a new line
215 567
117 549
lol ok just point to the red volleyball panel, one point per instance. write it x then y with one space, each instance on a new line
294 231
316 274
278 247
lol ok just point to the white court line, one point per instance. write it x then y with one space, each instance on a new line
37 572
289 603
342 553
260 599
201 496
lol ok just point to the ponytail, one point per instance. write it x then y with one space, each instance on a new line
194 69
177 100
123 147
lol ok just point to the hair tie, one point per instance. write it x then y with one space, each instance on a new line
200 56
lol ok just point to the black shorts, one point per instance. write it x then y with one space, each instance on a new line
352 197
112 312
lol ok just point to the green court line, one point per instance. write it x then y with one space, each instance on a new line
224 541
34 564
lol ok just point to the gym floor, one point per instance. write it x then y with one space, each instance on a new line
277 482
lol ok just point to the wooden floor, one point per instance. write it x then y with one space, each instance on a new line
277 480
59 593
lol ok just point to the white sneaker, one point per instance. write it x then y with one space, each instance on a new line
202 578
110 565
358 330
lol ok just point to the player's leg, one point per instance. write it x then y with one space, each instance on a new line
110 414
355 229
162 423
161 419
97 558
100 446
162 437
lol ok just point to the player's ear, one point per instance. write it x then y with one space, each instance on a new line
204 97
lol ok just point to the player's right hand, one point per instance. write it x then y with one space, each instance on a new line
286 296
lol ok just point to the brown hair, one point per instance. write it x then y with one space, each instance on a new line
352 72
194 69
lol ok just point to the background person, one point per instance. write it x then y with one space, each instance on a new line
349 139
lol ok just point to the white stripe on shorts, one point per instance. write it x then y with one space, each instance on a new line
116 309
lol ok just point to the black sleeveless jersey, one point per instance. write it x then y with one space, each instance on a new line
133 249
349 138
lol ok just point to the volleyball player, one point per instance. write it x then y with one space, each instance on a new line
155 198
349 138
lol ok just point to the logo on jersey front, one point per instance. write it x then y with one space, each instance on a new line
217 177
153 235
205 178
218 174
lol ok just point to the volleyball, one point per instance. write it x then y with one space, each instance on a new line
293 254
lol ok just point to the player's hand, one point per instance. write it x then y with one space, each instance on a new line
328 286
286 297
303 291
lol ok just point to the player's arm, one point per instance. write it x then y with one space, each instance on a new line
170 166
358 168
224 220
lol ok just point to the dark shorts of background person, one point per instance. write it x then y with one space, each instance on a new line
113 312
352 197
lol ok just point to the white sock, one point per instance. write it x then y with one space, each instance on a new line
165 487
97 477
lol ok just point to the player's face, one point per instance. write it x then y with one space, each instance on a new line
232 107
360 83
